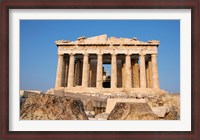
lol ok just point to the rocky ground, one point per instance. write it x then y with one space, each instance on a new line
69 106
50 107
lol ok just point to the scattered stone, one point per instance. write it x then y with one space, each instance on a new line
89 106
90 114
101 116
132 111
172 115
161 111
51 107
112 102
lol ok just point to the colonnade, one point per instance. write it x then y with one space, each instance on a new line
139 72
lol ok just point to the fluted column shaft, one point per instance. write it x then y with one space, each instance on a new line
128 71
150 73
136 77
155 78
85 71
99 71
66 73
114 71
59 71
71 71
142 71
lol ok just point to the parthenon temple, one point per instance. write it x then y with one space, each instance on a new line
133 65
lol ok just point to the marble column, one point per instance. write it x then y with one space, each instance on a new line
136 77
71 71
155 71
114 71
142 71
128 71
85 71
66 72
150 73
99 71
59 71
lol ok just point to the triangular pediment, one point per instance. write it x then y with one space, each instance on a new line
104 40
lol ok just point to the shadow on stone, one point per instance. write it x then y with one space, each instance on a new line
51 107
132 111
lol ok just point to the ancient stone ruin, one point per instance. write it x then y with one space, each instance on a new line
84 89
134 67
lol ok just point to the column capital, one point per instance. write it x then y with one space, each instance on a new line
113 54
71 54
154 54
99 54
61 54
86 54
142 54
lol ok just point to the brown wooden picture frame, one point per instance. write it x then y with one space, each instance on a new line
103 4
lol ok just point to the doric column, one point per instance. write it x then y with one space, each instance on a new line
85 71
99 71
71 71
59 71
155 71
128 71
136 77
66 72
150 73
114 71
142 71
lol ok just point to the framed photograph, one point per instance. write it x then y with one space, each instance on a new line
54 33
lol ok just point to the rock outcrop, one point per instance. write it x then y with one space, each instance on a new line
51 107
165 105
172 115
132 111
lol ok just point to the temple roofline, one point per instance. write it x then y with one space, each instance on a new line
103 40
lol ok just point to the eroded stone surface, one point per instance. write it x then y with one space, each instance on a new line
51 107
132 111
161 111
102 116
112 102
172 115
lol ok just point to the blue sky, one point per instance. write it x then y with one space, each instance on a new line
38 52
